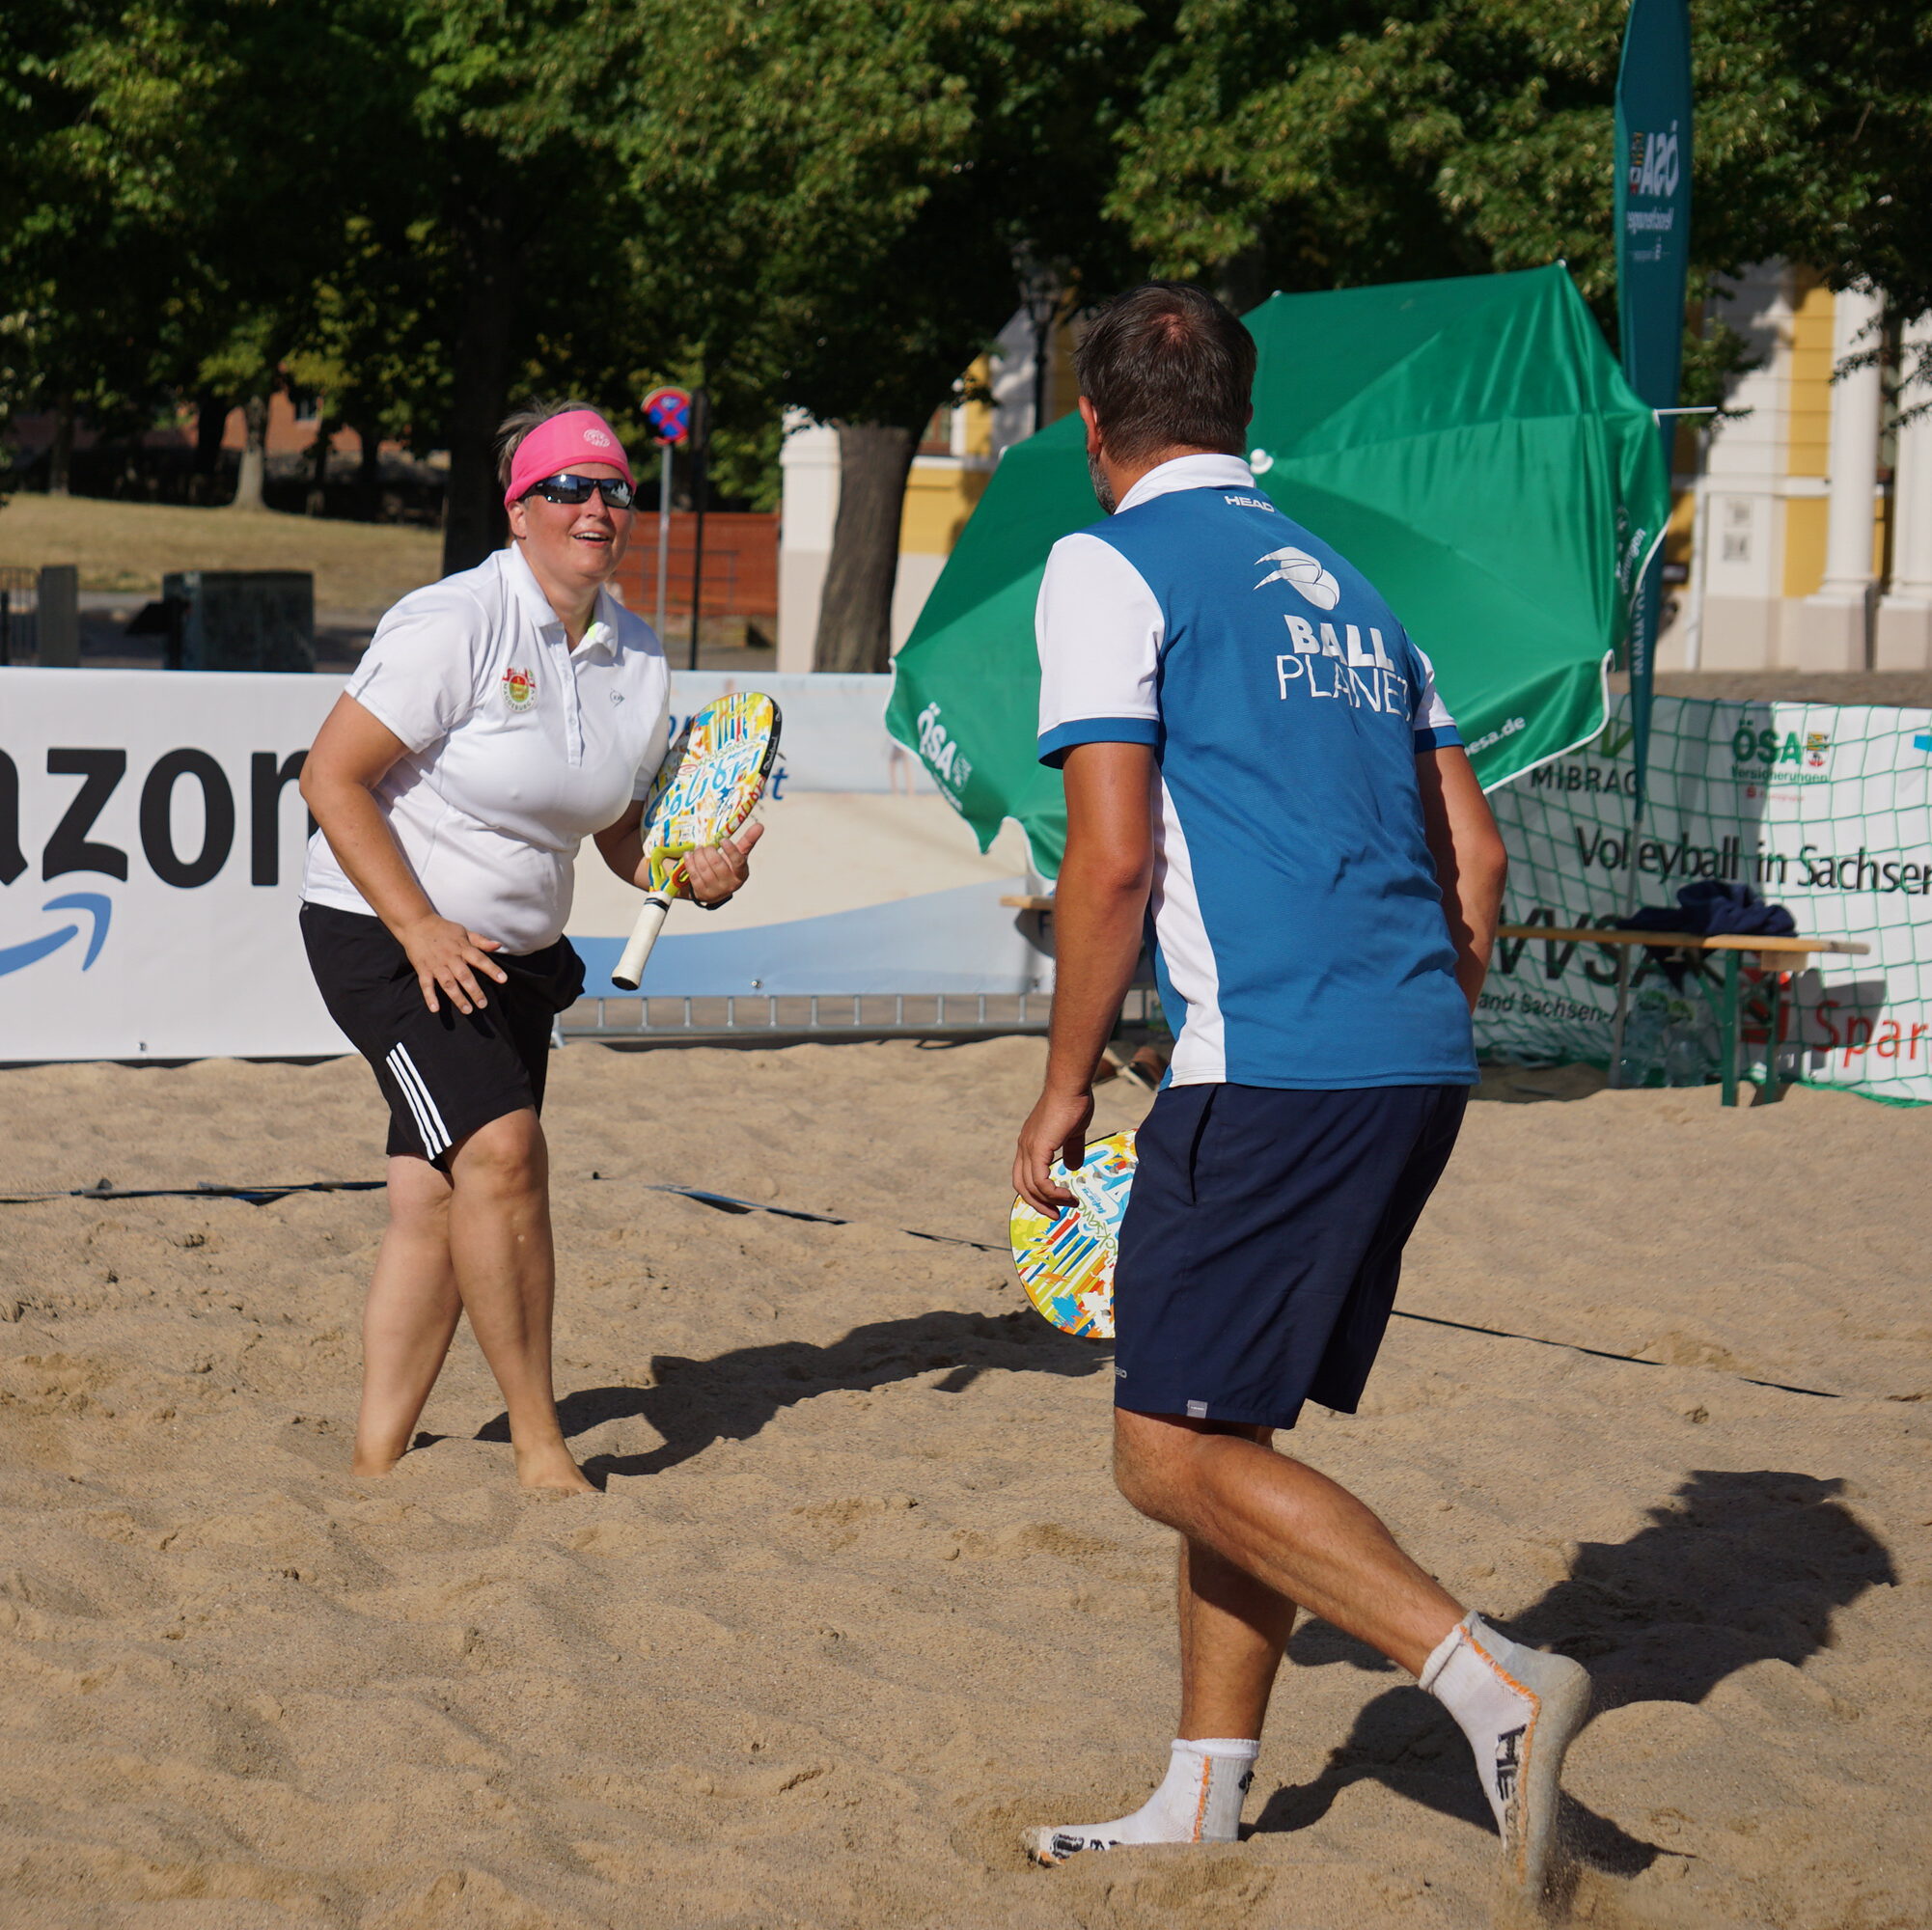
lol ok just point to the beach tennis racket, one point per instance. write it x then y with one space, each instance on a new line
1065 1260
706 788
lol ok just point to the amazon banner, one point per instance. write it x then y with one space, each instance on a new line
150 865
1821 809
151 847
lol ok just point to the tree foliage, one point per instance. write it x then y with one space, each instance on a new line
1287 144
969 131
432 206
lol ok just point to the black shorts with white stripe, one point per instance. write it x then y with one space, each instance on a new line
444 1074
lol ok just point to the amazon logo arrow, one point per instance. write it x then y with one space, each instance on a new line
17 957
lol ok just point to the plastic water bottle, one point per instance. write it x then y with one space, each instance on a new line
1644 1039
1687 1058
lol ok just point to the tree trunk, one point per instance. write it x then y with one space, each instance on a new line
210 422
254 455
60 457
474 523
1242 281
318 464
855 613
369 472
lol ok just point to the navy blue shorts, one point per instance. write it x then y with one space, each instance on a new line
1263 1241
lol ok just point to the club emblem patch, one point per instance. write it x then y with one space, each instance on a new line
519 689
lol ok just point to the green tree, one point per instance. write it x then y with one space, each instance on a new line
834 198
1293 145
408 192
146 233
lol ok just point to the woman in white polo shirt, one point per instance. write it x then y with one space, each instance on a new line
498 718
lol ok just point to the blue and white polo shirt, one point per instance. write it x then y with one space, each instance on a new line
1297 928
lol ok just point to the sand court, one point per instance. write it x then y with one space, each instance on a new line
859 1600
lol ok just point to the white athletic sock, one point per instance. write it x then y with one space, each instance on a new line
1519 1709
1199 1802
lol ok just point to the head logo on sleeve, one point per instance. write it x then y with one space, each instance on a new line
519 689
1304 572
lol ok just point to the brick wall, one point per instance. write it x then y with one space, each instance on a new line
740 564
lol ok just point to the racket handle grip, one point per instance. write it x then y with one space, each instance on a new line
628 973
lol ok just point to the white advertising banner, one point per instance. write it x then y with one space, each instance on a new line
151 843
150 865
832 735
1821 809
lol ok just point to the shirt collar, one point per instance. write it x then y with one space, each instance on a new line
1189 472
605 612
528 593
536 606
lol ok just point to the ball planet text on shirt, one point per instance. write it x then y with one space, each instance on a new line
1385 688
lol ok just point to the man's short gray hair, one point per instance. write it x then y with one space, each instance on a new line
512 428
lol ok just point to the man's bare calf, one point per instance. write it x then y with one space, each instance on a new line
1264 1536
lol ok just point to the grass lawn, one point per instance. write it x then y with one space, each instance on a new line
359 567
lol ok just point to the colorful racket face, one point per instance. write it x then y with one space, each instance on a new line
708 783
1065 1261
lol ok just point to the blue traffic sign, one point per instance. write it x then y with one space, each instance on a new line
667 411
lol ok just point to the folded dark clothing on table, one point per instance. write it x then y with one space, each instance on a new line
1710 909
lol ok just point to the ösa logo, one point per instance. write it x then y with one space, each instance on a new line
942 754
1655 167
1306 573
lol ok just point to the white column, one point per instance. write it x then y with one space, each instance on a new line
1904 640
809 462
1740 562
1856 402
1830 634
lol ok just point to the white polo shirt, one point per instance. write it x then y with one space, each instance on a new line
517 746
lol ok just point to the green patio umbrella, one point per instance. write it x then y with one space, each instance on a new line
1470 445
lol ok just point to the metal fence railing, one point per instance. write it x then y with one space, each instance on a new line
752 1016
756 1018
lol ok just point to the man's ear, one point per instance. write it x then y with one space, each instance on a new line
1093 422
519 520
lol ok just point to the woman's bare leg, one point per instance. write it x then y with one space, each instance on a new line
410 1315
506 1271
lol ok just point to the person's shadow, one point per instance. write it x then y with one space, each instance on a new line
1735 1569
694 1403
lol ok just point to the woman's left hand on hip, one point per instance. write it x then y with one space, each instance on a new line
717 870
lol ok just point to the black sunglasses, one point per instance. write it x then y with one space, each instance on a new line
618 494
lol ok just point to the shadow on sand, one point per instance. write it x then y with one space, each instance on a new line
695 1403
1737 1568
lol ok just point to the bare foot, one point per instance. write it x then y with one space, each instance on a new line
367 1463
551 1466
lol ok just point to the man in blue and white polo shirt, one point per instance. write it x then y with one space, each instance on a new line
1258 771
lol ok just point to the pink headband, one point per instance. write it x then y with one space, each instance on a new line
580 436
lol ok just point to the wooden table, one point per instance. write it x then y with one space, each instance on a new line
1734 946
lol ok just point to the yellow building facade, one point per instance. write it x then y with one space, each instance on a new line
1803 528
